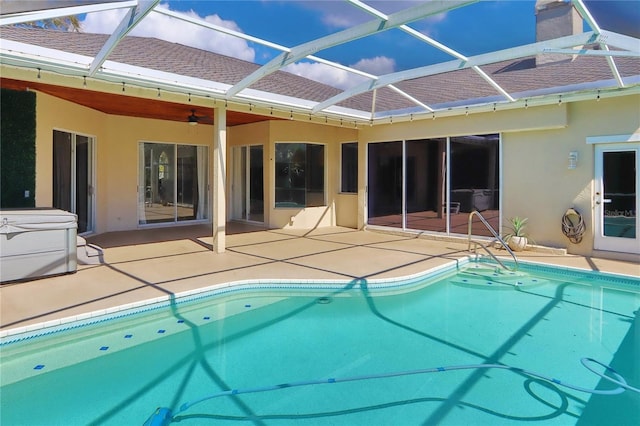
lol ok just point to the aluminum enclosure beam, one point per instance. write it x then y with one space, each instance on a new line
620 41
303 50
586 15
22 17
131 19
478 60
434 43
589 52
269 44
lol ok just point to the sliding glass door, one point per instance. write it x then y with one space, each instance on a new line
475 182
248 183
173 183
385 184
73 176
429 184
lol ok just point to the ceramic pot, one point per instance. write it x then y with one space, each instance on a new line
517 243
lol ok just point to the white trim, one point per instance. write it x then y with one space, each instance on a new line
635 137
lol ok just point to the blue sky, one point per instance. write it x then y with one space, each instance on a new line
482 27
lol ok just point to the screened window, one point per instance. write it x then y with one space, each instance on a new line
299 175
349 172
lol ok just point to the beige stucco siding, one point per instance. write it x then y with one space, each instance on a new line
338 210
116 155
536 142
545 117
537 181
54 114
121 161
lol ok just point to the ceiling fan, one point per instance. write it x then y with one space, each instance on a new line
193 119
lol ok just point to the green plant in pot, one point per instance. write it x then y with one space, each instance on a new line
517 238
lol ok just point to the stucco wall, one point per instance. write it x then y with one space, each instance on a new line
121 153
537 181
54 114
340 209
310 217
249 134
116 154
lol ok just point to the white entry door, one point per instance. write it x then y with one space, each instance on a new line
616 199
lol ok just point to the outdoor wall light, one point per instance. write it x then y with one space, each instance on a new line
573 160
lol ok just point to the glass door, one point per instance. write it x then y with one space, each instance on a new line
616 198
73 176
248 183
173 183
385 184
434 184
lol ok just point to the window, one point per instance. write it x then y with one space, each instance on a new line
349 175
299 175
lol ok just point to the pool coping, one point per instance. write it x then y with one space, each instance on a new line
13 335
101 315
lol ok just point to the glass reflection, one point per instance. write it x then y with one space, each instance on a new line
620 192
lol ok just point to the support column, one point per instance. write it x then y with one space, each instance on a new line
219 178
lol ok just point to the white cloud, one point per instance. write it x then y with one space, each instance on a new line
377 66
324 74
334 20
340 78
176 31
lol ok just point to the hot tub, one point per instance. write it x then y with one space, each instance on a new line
37 243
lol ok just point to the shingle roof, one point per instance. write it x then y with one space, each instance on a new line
516 77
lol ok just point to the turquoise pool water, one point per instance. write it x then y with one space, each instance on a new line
119 371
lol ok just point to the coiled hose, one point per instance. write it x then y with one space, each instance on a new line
164 416
573 225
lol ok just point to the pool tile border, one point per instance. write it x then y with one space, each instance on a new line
379 284
91 318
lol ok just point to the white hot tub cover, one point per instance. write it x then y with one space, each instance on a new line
26 220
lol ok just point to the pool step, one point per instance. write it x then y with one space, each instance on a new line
88 254
495 277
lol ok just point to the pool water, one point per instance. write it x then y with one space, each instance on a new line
119 371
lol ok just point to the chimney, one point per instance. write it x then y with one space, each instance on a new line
554 19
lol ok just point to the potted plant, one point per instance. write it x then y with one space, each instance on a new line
517 238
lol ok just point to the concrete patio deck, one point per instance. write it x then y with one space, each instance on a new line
145 264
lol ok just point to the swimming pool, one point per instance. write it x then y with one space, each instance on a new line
363 352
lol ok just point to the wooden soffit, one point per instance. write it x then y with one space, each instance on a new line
131 106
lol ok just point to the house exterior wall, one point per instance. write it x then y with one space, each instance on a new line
249 134
500 121
340 209
536 182
116 155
